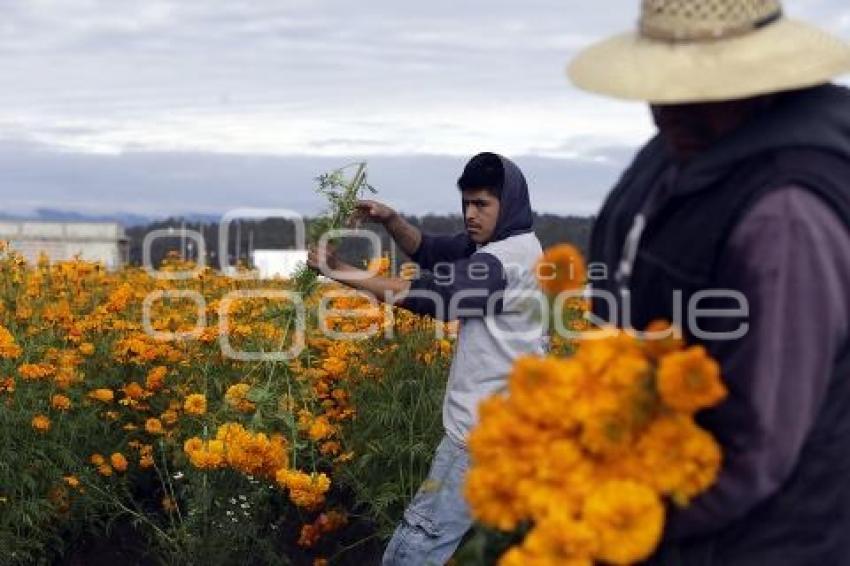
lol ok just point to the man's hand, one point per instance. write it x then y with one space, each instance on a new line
373 211
323 259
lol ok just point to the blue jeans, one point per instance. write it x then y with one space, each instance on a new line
436 520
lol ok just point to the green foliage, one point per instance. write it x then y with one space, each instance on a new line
342 195
395 432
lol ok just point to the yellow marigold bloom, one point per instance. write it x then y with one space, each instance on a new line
307 491
628 517
102 395
118 462
319 429
209 455
678 458
153 426
236 397
41 423
60 402
561 268
559 538
193 445
72 481
690 380
195 404
86 348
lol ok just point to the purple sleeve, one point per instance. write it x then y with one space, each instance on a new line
790 256
439 249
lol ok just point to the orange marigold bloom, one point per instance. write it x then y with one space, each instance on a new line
561 268
156 378
195 404
8 349
236 397
86 348
628 517
153 426
670 341
146 457
60 402
41 423
102 395
119 462
690 380
169 417
133 391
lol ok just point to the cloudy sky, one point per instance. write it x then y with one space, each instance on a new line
182 106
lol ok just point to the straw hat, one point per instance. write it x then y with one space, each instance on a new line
707 50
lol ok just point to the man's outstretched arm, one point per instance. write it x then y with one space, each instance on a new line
385 289
424 249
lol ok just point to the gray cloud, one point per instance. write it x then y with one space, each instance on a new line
152 106
158 184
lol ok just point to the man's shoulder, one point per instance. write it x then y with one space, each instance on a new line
521 244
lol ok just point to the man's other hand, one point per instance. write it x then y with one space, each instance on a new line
373 211
322 258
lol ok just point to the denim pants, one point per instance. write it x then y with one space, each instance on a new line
436 520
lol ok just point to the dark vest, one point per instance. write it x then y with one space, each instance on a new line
808 520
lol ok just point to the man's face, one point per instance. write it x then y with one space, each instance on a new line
689 129
480 214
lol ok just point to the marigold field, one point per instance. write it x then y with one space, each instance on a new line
153 418
119 443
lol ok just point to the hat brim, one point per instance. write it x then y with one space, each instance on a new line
785 55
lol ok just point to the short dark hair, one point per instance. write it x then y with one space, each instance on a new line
484 171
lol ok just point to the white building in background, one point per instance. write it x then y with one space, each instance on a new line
104 242
278 263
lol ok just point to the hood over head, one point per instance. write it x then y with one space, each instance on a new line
515 215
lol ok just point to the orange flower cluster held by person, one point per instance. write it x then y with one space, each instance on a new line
587 448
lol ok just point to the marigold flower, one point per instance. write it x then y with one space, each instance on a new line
561 268
102 395
8 349
153 426
690 380
60 402
195 404
236 397
41 423
155 379
628 517
118 462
